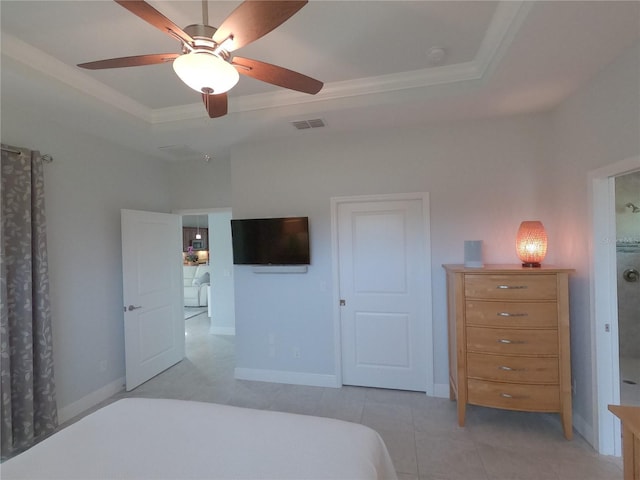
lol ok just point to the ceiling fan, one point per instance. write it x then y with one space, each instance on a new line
205 63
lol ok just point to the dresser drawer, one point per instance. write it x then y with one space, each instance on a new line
510 287
502 368
513 396
507 341
512 314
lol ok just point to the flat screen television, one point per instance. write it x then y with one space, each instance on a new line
271 241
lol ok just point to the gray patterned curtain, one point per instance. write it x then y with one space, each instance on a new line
28 405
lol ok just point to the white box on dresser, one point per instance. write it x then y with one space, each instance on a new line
509 339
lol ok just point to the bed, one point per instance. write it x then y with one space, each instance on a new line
138 438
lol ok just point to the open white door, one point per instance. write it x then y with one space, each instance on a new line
152 293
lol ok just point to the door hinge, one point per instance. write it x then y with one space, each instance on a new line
607 327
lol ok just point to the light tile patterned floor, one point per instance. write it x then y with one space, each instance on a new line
420 432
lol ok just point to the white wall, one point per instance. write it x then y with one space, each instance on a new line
483 179
597 126
221 260
88 183
196 184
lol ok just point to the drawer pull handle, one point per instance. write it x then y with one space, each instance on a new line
506 369
511 342
506 395
507 314
511 287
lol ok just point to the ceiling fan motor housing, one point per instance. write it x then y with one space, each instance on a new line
203 37
198 30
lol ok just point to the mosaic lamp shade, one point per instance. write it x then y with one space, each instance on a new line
531 243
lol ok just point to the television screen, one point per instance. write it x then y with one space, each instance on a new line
271 241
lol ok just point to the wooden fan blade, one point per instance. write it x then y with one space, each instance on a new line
254 19
277 75
135 61
216 105
154 17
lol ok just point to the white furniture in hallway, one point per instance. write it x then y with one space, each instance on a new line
196 283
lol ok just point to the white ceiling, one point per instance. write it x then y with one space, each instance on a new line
502 58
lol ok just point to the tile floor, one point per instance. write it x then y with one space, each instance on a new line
420 432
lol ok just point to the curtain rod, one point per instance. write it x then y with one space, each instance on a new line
46 158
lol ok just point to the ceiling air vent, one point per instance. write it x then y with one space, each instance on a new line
181 152
305 124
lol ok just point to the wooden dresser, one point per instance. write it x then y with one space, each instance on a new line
630 419
509 339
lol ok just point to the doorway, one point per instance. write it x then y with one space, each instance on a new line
627 193
383 284
196 266
221 301
604 303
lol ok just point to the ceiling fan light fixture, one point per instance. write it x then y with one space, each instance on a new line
205 72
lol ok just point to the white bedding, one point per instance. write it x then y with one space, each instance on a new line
138 438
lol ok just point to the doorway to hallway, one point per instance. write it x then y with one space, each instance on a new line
221 295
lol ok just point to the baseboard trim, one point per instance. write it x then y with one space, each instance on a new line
441 390
293 378
85 403
584 429
213 330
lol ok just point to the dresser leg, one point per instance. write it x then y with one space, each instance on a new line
567 426
628 449
462 409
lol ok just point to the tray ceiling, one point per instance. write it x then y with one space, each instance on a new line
373 56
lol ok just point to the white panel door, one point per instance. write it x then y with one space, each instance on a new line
152 292
382 249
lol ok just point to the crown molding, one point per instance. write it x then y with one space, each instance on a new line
504 26
49 66
331 91
505 23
